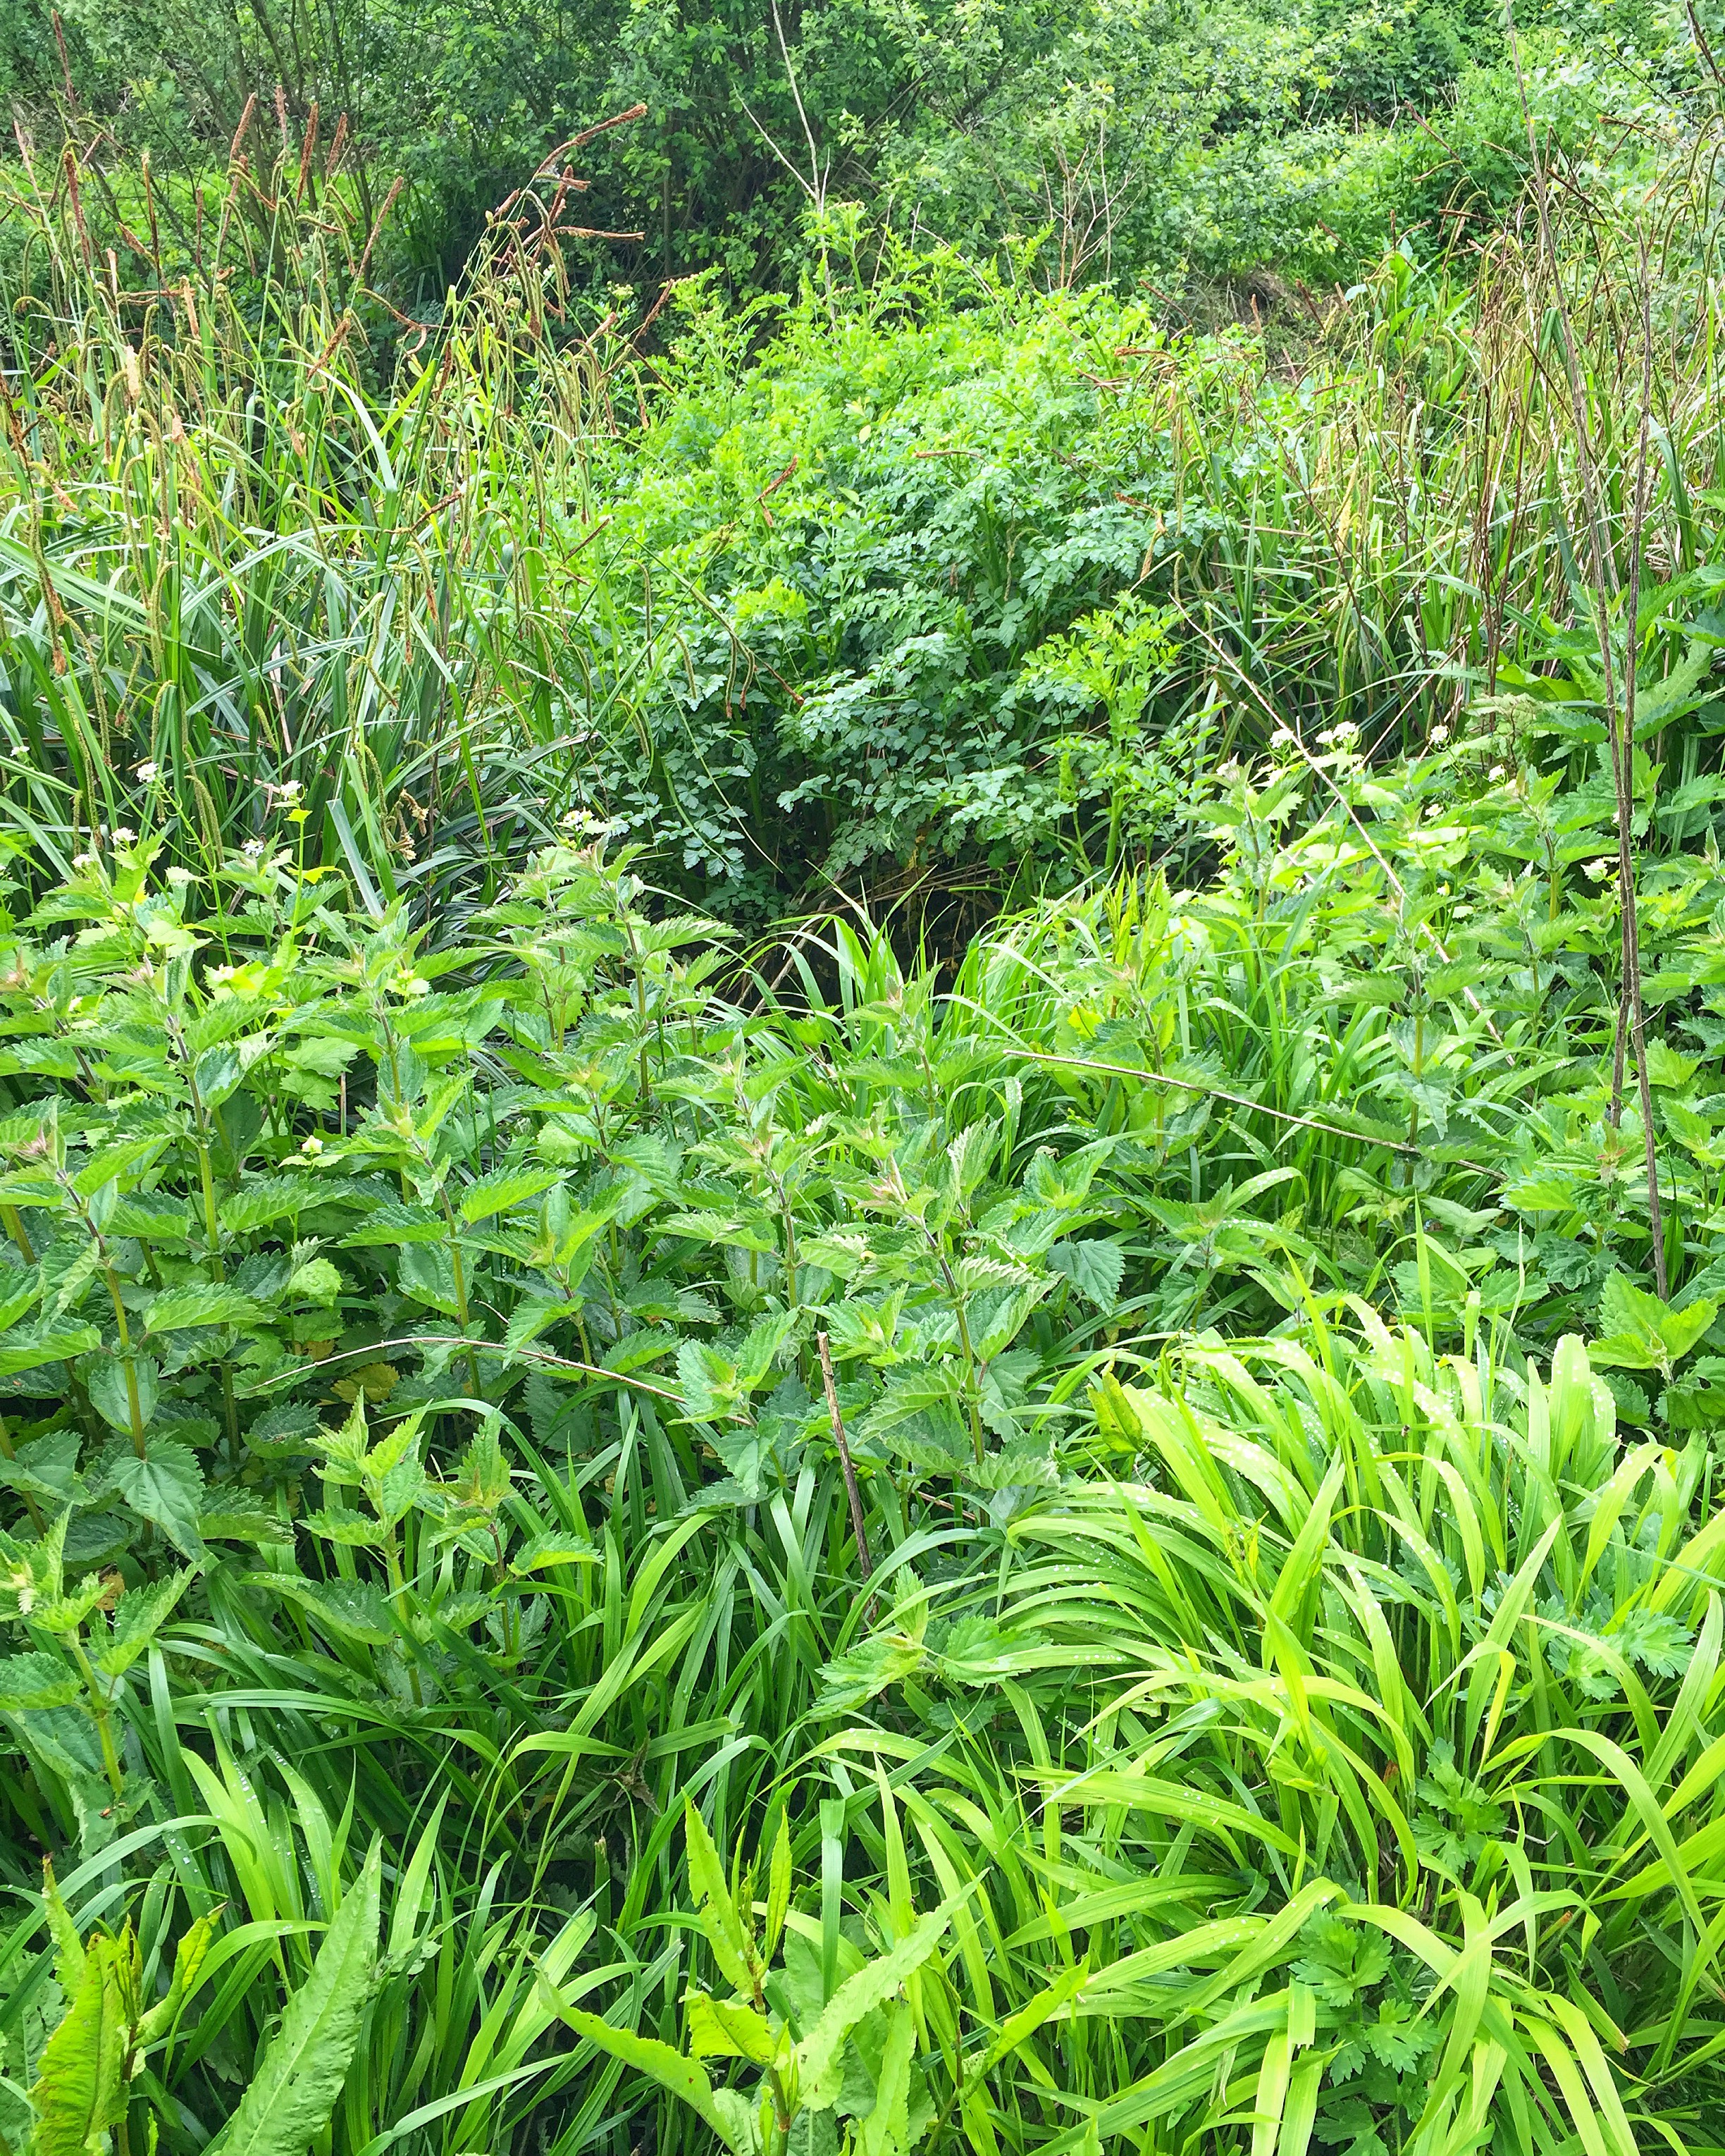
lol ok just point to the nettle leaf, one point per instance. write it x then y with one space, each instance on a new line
503 1188
1095 1269
165 1488
115 1163
153 1217
1640 1332
243 1523
541 1552
105 1380
218 1071
390 1225
181 1309
426 1273
260 1204
31 1351
28 1683
139 1616
316 1281
46 1467
756 1233
353 1609
17 1297
712 1388
284 1429
338 1524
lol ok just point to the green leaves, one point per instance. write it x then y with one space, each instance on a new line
820 2055
722 2110
30 1682
290 2098
79 2093
124 1389
1639 1332
182 1309
729 1942
165 1487
138 1617
503 1189
1095 1269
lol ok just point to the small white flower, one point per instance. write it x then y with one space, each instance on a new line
124 834
1283 737
252 849
222 974
1497 773
84 860
180 877
288 790
1438 737
146 774
313 1147
1597 871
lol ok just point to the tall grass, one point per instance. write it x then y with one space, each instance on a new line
256 566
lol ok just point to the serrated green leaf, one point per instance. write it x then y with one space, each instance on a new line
729 2029
685 2079
138 1617
353 1609
260 1204
111 1396
719 1918
181 1309
112 1163
291 2096
32 1681
166 1486
62 1343
189 1958
820 2056
496 1193
79 2093
388 1225
1094 1268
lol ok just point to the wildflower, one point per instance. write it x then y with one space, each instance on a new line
288 790
312 1147
180 877
84 860
123 835
252 849
1283 737
146 774
1596 871
1438 735
1495 773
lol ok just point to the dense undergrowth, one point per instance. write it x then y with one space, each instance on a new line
643 1513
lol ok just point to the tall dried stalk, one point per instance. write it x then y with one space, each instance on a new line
1619 717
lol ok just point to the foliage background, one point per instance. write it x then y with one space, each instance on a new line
860 1141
